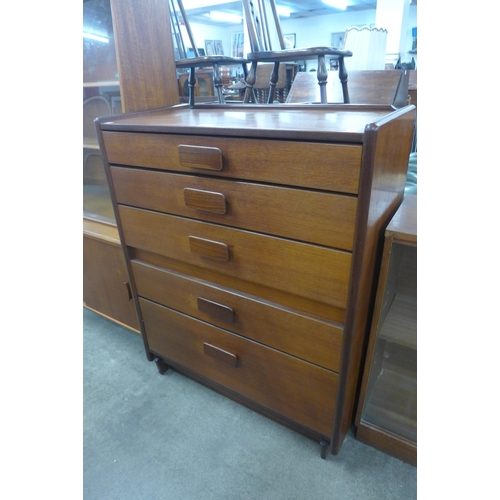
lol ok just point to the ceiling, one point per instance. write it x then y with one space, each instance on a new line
299 8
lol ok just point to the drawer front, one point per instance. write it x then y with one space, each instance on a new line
316 341
318 273
299 390
315 217
332 167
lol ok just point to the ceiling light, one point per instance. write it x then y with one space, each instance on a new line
338 4
283 11
225 17
197 4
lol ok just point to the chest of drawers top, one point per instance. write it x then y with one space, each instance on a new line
344 123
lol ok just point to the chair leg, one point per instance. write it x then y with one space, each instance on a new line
322 77
191 84
218 83
250 81
343 80
273 81
253 97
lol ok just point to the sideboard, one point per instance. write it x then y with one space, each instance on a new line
253 236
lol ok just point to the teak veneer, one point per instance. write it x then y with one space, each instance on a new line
253 236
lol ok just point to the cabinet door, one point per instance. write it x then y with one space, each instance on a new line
101 96
106 288
388 416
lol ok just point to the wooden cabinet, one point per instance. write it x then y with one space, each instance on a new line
387 413
121 72
252 236
106 288
101 96
204 83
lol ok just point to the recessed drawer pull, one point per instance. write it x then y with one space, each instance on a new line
219 311
209 248
221 355
208 201
203 157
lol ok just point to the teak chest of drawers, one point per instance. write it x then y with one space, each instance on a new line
252 236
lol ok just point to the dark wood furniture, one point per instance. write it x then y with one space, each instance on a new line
179 18
127 71
412 86
261 31
253 237
148 78
387 411
106 286
204 83
365 87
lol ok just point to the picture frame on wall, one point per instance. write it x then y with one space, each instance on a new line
338 40
290 39
218 47
209 48
237 44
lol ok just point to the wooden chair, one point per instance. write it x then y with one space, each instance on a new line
259 27
261 85
178 16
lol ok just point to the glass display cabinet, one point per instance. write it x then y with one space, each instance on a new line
123 70
105 279
387 410
101 96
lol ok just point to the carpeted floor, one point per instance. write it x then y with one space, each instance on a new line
154 437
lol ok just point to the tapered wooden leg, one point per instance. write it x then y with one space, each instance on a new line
250 81
273 81
161 365
343 80
322 77
252 96
218 83
191 85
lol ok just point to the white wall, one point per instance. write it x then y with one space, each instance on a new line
202 32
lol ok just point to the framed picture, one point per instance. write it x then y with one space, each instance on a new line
237 44
209 47
338 40
289 40
218 47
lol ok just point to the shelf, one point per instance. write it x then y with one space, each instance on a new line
108 83
393 404
400 324
101 231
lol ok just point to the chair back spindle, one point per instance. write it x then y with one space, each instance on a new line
264 28
216 61
277 24
176 31
180 8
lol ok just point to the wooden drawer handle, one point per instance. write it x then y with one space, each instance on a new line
221 355
203 157
218 311
209 248
208 201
